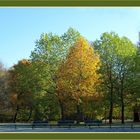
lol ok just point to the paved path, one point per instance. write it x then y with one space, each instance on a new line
71 130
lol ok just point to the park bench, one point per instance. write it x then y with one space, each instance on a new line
93 123
15 125
66 123
125 125
39 124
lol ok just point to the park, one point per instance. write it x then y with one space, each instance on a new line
71 84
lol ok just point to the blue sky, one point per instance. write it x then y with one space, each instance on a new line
21 27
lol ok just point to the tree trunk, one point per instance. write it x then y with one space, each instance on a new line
136 117
62 111
111 96
111 105
136 114
122 108
122 100
30 114
15 116
78 113
105 115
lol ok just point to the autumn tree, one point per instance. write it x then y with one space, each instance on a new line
22 86
78 76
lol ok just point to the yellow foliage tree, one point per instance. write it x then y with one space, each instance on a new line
78 75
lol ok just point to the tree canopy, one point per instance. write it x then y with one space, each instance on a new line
68 77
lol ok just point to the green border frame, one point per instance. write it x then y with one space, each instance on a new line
69 3
69 136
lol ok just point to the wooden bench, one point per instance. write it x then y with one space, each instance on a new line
93 123
39 124
66 123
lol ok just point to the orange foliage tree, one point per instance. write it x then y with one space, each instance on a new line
21 87
78 77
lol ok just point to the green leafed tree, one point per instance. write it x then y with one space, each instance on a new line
4 94
117 55
49 51
133 87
